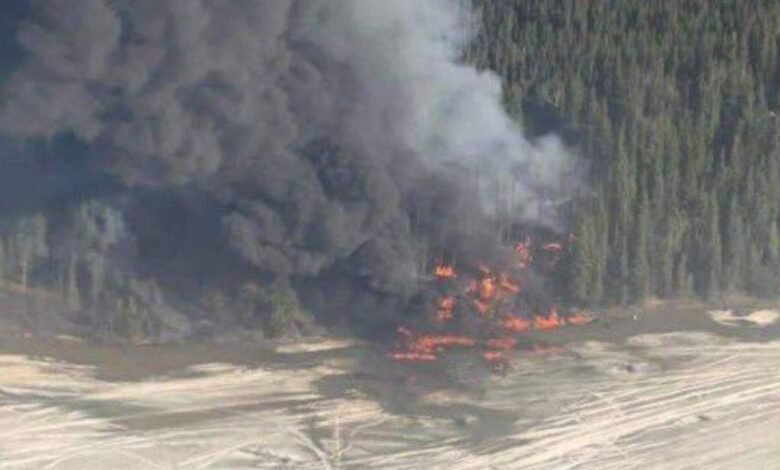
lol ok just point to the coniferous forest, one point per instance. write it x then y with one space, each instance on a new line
673 104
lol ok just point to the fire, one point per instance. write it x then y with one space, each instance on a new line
430 344
446 309
444 271
496 361
426 347
413 357
492 296
440 341
502 344
516 324
492 356
550 322
577 319
487 288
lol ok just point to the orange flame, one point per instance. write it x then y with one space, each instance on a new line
446 309
502 344
425 348
577 319
432 343
489 291
444 271
492 356
413 357
550 322
487 288
516 324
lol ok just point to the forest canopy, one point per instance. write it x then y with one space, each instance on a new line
674 106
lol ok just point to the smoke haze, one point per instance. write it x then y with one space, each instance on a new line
317 135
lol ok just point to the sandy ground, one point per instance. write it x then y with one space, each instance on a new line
703 393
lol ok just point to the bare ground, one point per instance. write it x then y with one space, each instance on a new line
669 387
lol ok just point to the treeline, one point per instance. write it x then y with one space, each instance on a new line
75 259
76 267
673 104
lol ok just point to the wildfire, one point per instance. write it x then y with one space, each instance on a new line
502 344
437 342
490 286
516 324
485 292
425 348
413 357
577 319
543 351
492 356
446 309
444 271
487 288
550 322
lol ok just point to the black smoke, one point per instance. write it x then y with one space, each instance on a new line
338 144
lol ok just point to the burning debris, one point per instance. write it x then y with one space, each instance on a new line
446 309
515 324
444 271
489 304
549 322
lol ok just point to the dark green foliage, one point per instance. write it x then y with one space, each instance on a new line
675 105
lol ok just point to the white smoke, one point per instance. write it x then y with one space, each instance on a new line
417 90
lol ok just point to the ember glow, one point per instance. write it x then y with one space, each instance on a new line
444 271
494 358
544 351
577 319
502 344
549 322
493 299
516 324
426 348
446 309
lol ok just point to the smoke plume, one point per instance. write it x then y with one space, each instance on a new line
331 135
